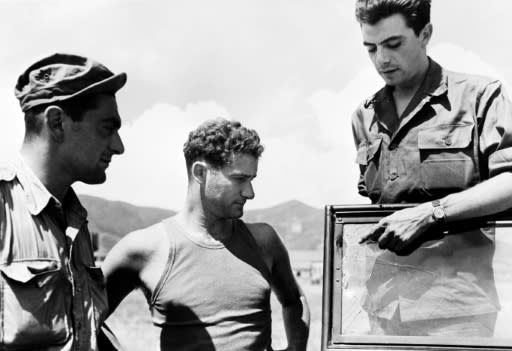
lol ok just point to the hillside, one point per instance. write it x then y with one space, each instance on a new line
300 225
119 218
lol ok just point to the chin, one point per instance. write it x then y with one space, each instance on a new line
237 214
390 82
94 179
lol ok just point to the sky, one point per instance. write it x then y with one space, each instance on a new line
294 70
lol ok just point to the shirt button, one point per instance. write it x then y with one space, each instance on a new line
393 175
392 147
447 141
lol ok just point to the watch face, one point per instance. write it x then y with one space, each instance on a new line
438 213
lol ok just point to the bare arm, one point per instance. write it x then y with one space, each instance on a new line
491 196
400 230
296 315
126 264
296 320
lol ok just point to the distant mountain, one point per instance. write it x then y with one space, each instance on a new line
119 218
300 225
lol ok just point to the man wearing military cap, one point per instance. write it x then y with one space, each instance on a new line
52 295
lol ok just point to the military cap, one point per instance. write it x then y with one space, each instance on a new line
63 76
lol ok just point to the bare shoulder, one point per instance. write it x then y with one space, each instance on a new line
137 248
267 238
145 241
263 233
131 262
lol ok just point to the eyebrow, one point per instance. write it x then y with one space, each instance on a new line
387 40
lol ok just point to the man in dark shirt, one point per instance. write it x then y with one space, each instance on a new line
52 296
441 139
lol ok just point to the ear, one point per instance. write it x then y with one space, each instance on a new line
198 171
54 118
426 34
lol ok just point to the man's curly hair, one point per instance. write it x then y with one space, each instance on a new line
215 141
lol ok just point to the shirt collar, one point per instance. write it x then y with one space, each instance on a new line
436 80
38 196
434 84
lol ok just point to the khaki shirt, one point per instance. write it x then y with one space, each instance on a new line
456 132
52 296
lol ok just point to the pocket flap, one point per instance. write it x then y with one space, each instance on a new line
361 157
446 137
366 152
23 272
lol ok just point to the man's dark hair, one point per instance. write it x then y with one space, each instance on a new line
74 107
215 141
415 12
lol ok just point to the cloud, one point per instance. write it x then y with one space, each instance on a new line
457 58
12 127
152 171
290 169
334 109
294 71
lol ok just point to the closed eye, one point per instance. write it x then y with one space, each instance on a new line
394 45
240 179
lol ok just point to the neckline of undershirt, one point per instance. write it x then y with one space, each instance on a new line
200 243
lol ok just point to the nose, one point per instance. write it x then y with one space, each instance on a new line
117 145
382 58
248 191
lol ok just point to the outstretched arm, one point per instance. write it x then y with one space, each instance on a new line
401 231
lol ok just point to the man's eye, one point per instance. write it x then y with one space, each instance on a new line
371 49
107 130
394 45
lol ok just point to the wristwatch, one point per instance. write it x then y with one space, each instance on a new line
438 212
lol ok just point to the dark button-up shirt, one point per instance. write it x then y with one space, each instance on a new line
52 296
456 132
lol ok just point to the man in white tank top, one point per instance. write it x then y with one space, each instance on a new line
206 274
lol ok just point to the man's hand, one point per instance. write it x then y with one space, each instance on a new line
403 231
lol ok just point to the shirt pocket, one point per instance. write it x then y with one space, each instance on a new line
96 286
34 305
368 159
446 157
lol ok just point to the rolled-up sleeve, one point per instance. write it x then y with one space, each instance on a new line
495 112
